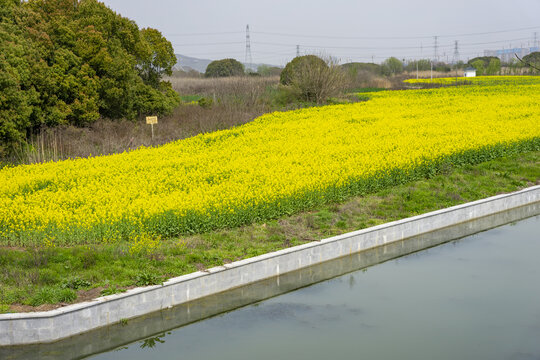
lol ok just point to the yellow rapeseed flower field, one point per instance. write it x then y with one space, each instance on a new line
480 80
280 163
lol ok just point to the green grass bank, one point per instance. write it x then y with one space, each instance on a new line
42 278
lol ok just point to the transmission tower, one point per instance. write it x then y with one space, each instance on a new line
249 59
297 50
456 52
535 42
435 48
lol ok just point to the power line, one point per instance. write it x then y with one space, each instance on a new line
353 47
405 51
337 47
340 37
211 44
435 45
240 52
392 37
207 34
435 48
493 32
494 42
353 37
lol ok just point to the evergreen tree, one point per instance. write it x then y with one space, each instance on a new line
71 62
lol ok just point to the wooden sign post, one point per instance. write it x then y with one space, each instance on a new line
151 120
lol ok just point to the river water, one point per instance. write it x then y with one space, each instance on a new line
473 298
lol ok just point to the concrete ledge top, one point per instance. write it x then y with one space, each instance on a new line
240 263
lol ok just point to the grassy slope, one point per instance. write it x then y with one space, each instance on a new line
59 275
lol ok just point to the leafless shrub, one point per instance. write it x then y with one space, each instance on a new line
190 73
110 137
236 101
367 79
241 90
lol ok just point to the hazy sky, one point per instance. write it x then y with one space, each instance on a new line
348 30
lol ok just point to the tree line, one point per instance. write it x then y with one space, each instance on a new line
72 62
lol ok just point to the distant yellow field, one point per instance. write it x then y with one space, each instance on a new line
280 163
480 80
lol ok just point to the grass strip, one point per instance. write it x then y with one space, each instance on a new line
46 277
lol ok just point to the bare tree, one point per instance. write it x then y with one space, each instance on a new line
527 63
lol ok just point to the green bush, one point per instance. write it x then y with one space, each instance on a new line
205 103
442 67
484 59
111 290
354 68
265 70
75 283
392 66
146 279
65 62
297 65
479 66
494 67
421 65
532 58
224 68
285 95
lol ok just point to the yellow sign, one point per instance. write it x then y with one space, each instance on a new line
151 120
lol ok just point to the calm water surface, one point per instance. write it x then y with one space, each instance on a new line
473 298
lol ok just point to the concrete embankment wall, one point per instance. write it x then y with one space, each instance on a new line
44 327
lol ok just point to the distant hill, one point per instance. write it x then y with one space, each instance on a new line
187 63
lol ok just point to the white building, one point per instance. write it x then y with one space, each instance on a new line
507 55
470 72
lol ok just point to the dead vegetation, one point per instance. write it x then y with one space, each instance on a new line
228 102
247 89
209 104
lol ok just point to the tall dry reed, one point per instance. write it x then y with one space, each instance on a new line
236 101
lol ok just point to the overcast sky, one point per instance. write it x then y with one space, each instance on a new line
348 30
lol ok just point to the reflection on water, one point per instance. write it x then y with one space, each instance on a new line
153 341
472 298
